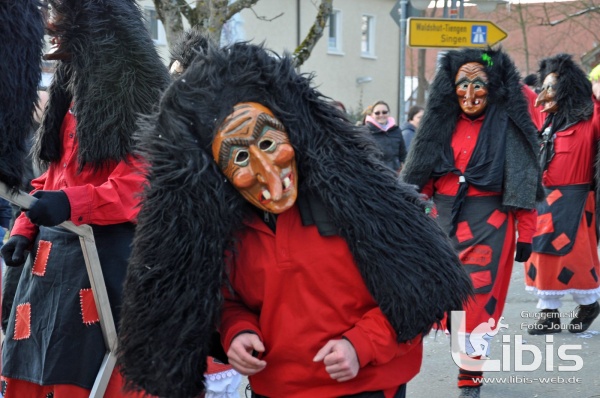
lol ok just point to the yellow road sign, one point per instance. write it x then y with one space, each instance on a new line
453 33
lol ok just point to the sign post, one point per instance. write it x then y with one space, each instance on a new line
400 13
453 33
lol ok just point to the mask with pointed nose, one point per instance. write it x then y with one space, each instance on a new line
253 150
471 88
547 97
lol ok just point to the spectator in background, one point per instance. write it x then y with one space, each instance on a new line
415 113
387 135
339 106
366 112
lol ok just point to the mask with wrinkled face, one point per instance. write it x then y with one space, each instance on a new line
471 88
547 97
253 150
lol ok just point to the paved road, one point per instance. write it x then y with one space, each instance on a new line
438 373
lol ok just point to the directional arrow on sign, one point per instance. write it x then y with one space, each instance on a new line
453 33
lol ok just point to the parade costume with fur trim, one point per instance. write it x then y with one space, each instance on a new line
565 256
115 70
108 73
192 215
20 71
483 175
521 184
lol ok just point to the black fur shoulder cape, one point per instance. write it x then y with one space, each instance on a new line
574 99
22 30
114 74
522 175
190 215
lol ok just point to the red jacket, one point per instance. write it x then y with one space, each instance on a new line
463 143
297 290
103 197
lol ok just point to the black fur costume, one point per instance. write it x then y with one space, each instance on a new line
113 74
187 46
522 182
22 30
191 213
574 100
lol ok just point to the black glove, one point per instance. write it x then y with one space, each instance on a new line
523 252
51 208
14 249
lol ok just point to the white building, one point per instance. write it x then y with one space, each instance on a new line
356 61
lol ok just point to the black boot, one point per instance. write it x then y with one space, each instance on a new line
549 322
584 318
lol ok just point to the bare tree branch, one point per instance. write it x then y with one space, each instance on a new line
265 18
238 6
570 16
169 14
303 51
523 26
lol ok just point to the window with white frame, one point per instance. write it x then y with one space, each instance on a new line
367 36
155 26
335 32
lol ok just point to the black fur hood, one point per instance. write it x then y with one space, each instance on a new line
522 175
190 215
22 30
113 75
573 90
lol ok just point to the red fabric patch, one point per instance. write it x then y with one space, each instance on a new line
497 219
216 366
476 255
89 313
23 322
481 278
553 196
41 258
561 241
463 232
545 225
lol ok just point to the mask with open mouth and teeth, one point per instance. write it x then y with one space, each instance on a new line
253 150
471 88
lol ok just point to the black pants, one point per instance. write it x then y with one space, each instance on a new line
401 393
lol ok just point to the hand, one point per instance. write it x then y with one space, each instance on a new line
596 88
523 252
51 208
14 250
240 354
340 359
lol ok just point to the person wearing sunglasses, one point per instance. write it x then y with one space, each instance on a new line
387 135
